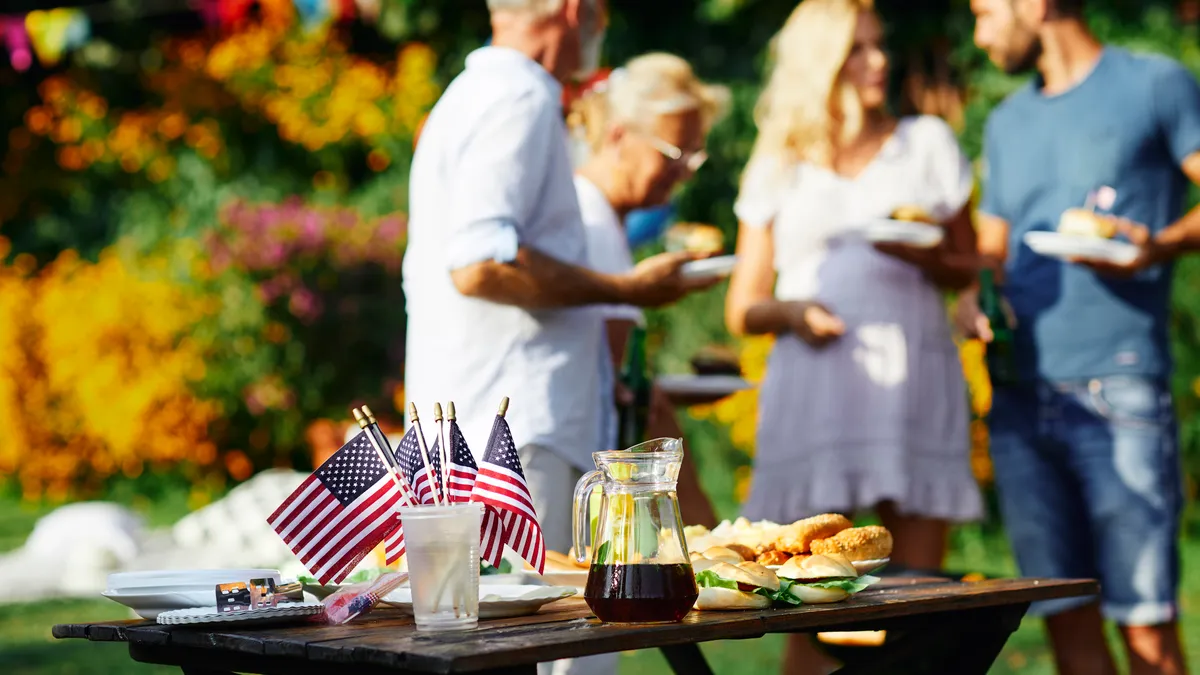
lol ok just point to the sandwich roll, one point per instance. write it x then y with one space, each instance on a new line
728 599
722 554
817 568
702 564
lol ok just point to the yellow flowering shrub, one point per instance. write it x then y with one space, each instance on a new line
95 374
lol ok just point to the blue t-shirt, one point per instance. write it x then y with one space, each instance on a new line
1128 125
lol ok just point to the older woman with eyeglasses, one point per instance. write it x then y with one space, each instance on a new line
644 129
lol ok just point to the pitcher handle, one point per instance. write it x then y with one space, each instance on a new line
583 498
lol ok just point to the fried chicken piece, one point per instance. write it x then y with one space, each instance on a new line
860 543
798 537
746 552
773 557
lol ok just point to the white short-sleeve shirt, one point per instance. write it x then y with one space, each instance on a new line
492 173
810 207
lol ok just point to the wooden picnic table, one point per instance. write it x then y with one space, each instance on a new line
933 625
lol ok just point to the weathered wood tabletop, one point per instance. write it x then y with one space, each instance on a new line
933 625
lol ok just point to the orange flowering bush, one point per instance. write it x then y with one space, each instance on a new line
96 371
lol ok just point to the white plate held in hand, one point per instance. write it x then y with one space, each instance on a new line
887 231
720 266
1067 247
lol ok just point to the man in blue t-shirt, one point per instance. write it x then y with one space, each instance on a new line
1084 442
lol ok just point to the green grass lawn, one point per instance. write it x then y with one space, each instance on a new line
26 647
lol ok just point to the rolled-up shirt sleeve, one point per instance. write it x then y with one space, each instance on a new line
498 181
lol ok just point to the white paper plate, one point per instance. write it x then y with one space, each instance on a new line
123 582
150 605
702 385
1066 246
720 266
286 612
888 231
497 602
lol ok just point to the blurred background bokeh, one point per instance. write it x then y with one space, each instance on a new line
202 216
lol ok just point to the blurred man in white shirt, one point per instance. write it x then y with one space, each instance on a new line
494 273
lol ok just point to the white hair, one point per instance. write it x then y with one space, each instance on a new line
647 87
535 7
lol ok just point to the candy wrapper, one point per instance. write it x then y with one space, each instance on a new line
350 602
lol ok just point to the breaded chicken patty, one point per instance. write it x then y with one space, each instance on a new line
798 537
859 543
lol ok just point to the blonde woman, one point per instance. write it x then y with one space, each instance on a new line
644 131
864 404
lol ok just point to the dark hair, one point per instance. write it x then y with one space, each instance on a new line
1068 8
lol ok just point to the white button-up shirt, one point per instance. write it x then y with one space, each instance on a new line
492 173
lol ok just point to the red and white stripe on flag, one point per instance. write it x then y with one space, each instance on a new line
340 512
507 492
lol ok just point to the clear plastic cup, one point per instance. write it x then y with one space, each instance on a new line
442 550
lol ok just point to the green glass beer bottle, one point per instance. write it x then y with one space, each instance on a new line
1001 359
631 417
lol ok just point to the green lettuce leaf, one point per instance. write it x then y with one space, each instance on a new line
851 586
709 579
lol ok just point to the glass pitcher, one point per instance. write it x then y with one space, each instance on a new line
640 571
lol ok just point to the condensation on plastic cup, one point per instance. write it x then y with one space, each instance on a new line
442 548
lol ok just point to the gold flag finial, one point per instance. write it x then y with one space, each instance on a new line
503 406
437 412
450 411
412 412
360 418
370 415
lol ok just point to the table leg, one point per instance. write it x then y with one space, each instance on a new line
686 660
964 643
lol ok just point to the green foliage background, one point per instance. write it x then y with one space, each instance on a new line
726 40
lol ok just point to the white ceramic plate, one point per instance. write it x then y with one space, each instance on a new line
125 582
720 266
279 614
702 385
496 602
887 231
869 566
1065 246
150 605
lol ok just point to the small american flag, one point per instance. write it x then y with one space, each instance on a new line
463 472
500 484
340 512
462 466
423 483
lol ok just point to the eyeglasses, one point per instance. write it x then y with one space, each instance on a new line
692 160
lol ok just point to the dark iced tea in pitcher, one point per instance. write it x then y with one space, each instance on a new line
641 593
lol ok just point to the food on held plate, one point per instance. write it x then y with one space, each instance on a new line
913 214
746 585
860 543
695 237
1086 223
798 537
716 360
